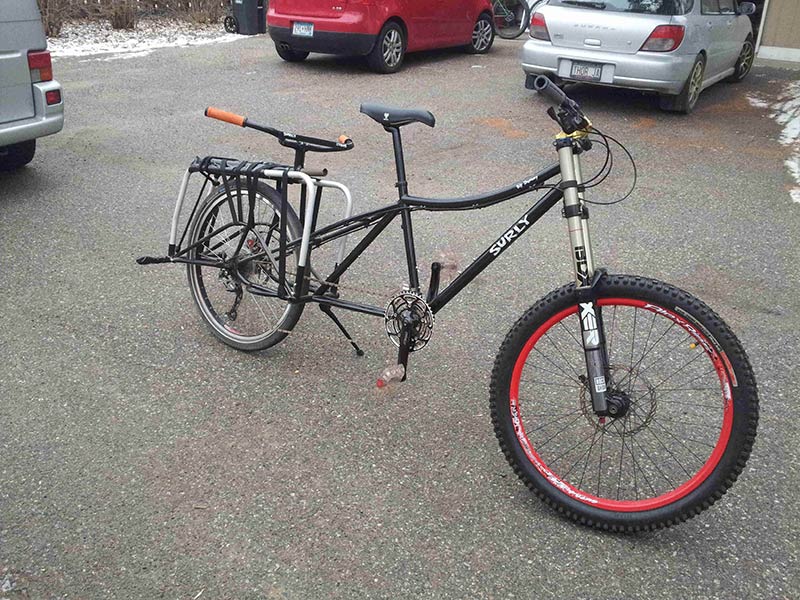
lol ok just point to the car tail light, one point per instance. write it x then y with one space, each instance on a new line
665 38
40 65
539 27
53 97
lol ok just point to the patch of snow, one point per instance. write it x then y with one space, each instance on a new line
786 112
85 38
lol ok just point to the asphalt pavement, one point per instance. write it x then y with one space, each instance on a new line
141 458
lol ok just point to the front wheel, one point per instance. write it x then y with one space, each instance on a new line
686 399
744 63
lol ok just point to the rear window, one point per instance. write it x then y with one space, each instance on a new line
651 7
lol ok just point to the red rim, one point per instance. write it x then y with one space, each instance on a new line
681 491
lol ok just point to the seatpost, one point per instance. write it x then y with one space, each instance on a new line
399 163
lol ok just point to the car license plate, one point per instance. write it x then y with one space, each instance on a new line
303 29
586 70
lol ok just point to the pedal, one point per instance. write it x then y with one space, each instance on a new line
433 286
153 260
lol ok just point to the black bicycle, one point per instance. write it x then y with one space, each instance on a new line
622 401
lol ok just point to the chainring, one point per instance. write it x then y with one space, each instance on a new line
409 307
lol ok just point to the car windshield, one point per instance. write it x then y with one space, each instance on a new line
653 7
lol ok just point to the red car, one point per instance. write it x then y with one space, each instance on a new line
381 30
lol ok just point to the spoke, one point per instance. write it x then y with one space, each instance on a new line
562 375
569 331
621 454
639 365
613 320
636 464
566 375
559 432
584 454
649 350
655 464
653 433
600 466
577 375
711 370
633 339
671 375
564 385
554 461
588 453
551 421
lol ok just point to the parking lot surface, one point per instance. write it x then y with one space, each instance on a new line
140 458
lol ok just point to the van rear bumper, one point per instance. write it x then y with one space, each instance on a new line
47 120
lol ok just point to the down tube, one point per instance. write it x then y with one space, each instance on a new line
535 213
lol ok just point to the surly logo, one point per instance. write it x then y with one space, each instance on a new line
581 266
591 337
509 235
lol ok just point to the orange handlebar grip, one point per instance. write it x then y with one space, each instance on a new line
343 139
226 116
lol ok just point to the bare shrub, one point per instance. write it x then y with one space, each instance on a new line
122 14
53 14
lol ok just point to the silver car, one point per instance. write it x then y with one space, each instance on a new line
31 105
674 47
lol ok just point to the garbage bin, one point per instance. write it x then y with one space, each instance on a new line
251 16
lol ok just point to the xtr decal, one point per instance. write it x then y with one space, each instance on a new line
509 235
591 336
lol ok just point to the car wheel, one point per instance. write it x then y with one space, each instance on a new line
289 55
17 155
389 51
687 99
482 36
745 61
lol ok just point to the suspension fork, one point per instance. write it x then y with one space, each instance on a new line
586 276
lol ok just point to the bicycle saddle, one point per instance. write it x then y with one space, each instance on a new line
388 116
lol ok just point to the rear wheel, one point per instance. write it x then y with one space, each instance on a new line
17 155
389 51
482 36
687 99
510 18
289 55
685 396
744 63
236 316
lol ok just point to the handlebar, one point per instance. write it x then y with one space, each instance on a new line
301 143
567 112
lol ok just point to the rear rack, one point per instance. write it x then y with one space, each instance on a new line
239 179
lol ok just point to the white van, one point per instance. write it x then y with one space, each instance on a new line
31 104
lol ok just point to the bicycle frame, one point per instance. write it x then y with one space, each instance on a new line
570 189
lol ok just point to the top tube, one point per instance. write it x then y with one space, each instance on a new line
484 200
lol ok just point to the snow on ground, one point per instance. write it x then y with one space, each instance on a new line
83 38
786 111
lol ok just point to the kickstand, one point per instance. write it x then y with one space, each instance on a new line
329 311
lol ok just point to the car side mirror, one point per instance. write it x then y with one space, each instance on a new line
747 8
